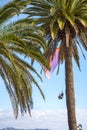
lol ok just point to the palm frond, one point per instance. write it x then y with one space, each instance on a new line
76 54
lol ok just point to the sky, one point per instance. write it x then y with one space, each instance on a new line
50 113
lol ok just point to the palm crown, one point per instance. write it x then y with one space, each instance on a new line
15 45
63 20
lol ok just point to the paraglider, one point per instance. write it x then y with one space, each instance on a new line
61 95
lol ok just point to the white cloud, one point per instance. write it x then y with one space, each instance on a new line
53 120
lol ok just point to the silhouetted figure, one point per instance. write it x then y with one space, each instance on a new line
61 95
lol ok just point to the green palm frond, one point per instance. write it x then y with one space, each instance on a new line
18 76
8 11
28 32
53 28
80 44
29 40
11 9
76 54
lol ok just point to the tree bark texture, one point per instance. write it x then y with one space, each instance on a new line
70 96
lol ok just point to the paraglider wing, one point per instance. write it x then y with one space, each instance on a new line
53 61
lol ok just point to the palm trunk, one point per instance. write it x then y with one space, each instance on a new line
70 97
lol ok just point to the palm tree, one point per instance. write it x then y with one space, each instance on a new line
65 26
15 69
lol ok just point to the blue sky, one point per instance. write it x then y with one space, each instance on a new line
51 89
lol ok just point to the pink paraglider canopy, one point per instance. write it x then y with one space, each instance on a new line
53 61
